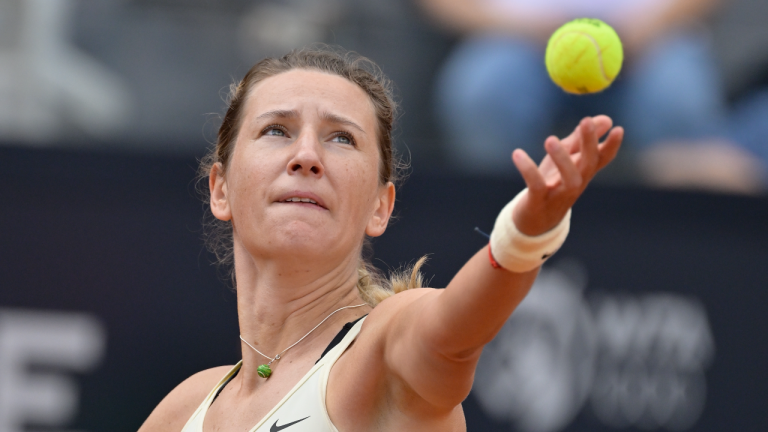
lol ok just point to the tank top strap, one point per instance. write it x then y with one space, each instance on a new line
339 336
305 401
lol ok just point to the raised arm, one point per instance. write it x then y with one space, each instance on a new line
442 333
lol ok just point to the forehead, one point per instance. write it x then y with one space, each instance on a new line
307 90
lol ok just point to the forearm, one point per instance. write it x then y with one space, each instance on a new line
442 332
480 298
474 306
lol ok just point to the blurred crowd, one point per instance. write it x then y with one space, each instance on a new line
147 75
494 93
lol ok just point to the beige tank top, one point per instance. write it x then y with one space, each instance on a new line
302 409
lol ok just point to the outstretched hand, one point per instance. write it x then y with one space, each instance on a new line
570 164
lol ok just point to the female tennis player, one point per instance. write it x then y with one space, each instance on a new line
302 173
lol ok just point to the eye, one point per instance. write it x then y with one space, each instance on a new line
274 130
343 138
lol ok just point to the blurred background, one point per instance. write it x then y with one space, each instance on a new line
651 318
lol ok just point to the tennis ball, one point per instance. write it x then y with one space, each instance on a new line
584 56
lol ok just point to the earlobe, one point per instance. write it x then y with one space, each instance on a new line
217 184
383 211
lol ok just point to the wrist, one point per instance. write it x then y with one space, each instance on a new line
515 251
533 224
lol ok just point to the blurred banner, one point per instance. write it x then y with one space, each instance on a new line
630 360
651 317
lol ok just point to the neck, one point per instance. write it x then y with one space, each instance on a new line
279 302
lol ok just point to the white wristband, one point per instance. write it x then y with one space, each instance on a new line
521 253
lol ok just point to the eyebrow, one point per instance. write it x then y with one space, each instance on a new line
324 115
333 118
279 114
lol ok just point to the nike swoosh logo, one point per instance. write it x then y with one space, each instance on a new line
276 428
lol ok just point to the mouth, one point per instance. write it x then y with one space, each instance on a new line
302 200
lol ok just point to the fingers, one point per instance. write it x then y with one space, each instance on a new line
608 149
571 166
569 174
588 161
572 142
603 124
529 171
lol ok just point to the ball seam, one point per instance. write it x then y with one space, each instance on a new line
597 47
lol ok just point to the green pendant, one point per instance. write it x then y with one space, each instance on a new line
264 371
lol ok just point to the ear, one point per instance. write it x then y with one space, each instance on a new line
384 205
217 184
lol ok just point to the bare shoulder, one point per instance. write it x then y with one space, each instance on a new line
393 315
365 351
392 306
363 388
383 319
178 406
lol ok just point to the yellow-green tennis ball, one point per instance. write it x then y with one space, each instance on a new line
584 56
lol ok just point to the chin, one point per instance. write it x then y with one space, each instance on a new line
303 239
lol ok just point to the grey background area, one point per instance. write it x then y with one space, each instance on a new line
176 60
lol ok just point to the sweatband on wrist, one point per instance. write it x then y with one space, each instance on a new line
520 253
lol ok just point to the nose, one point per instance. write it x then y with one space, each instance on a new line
307 158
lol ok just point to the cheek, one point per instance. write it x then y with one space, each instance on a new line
248 178
364 189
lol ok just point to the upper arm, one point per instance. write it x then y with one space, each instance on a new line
435 337
173 412
414 360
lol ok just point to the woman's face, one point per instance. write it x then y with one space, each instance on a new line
303 176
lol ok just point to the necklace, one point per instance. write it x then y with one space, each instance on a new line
264 370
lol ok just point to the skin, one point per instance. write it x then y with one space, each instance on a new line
414 360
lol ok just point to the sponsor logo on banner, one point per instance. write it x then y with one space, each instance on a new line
632 360
37 350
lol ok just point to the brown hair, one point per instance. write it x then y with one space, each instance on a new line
372 286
